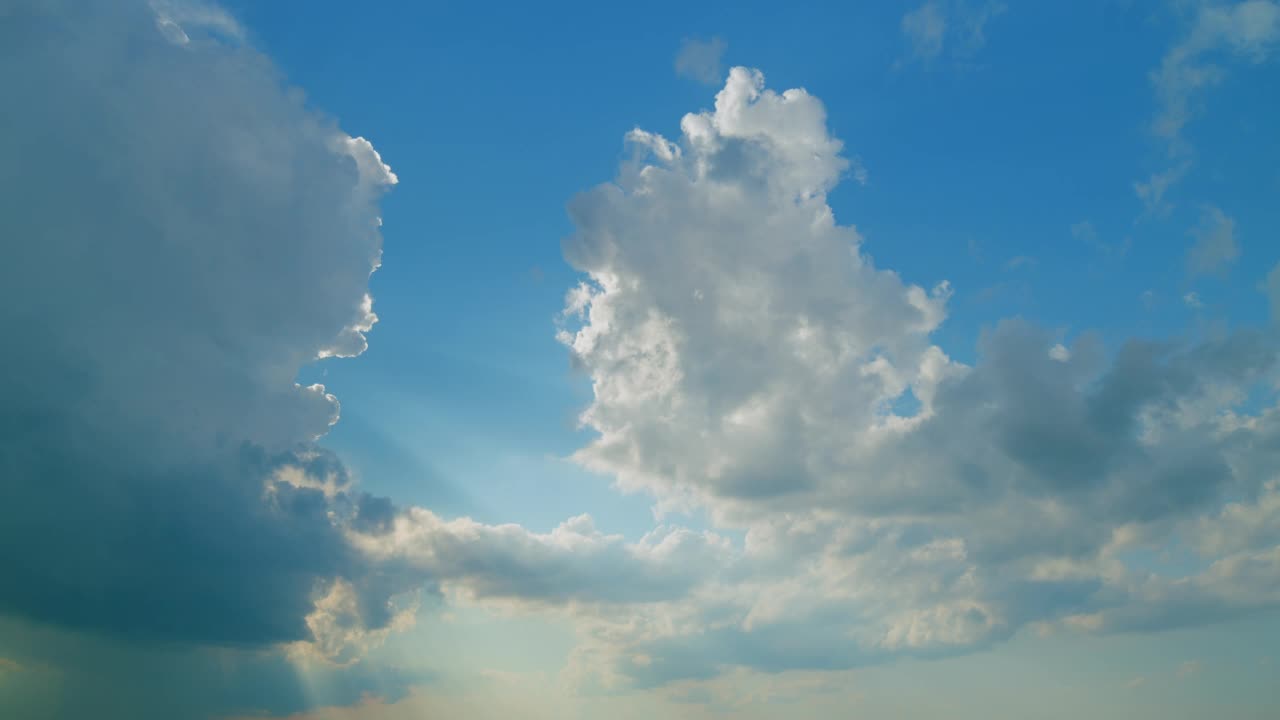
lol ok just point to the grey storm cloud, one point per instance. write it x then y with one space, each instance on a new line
181 235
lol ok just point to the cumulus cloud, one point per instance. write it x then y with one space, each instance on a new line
749 359
699 322
182 235
701 59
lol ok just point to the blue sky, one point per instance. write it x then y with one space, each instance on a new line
728 359
521 106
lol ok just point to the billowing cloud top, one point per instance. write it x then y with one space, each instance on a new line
747 358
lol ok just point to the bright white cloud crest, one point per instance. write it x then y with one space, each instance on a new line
726 305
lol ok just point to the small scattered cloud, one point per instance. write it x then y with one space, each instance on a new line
1136 682
1188 668
1148 299
973 23
1085 232
701 60
1215 248
925 29
974 249
1020 261
955 28
1246 31
858 170
1192 300
1272 289
1152 190
178 20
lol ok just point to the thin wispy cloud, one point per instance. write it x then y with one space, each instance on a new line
701 60
1215 248
1188 668
948 27
1235 32
925 29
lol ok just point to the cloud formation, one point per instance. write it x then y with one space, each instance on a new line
750 360
183 235
192 234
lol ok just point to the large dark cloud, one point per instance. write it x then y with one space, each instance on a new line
55 674
180 235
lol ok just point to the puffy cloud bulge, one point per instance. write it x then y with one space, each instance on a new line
748 358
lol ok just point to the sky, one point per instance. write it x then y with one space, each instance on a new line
415 360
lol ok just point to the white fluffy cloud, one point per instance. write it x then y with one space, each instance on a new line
747 358
724 297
